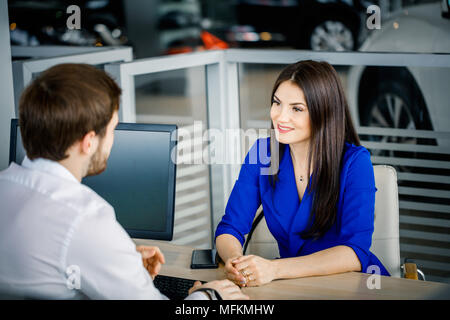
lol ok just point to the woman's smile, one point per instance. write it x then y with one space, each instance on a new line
284 129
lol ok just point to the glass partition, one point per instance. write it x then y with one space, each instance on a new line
179 97
24 71
176 96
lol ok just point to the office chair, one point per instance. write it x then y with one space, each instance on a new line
385 238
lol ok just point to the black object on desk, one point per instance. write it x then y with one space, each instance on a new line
204 259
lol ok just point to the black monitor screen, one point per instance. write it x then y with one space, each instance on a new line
139 181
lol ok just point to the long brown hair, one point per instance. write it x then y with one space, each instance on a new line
331 127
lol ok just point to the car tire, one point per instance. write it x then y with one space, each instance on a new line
331 34
394 101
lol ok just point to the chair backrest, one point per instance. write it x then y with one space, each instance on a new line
386 235
385 238
262 243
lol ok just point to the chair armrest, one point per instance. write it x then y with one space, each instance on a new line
410 271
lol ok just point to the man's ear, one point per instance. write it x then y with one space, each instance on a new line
89 143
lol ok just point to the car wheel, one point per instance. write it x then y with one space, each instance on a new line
398 104
332 35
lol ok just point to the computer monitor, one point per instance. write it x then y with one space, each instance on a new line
139 181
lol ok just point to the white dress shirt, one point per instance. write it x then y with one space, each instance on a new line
60 240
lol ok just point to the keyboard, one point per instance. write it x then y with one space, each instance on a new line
172 287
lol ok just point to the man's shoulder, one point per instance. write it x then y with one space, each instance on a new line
63 192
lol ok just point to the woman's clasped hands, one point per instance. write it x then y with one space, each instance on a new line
250 271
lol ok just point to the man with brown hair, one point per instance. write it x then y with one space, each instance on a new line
58 238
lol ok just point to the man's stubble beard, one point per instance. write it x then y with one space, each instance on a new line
98 162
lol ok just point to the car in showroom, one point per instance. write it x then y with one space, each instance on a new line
405 97
328 25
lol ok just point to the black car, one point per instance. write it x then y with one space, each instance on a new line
331 25
35 22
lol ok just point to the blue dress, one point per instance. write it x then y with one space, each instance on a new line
286 216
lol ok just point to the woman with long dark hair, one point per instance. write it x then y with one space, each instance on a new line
317 191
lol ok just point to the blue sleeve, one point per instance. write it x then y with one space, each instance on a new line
245 197
358 207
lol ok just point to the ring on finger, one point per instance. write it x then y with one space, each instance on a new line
246 272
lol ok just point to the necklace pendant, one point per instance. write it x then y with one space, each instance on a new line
301 179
